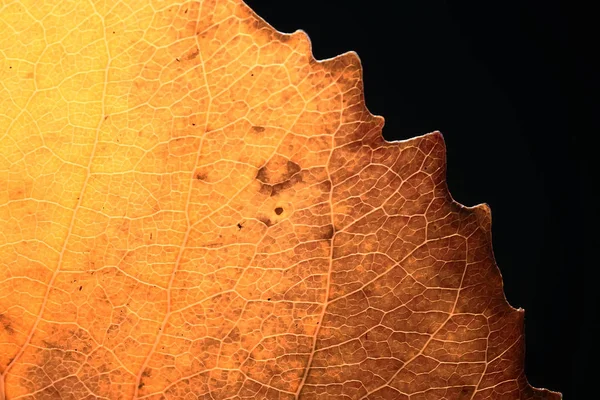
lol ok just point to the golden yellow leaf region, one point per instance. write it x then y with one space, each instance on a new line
193 207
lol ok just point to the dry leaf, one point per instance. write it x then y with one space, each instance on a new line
192 206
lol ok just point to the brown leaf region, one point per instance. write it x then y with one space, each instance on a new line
193 207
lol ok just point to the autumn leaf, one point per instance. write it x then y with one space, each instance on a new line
192 206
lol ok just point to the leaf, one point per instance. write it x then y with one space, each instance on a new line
194 207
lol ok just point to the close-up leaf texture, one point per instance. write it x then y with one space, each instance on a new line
193 207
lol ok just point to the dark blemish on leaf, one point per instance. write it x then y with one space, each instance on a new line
177 59
105 117
266 189
278 210
6 325
293 168
150 235
113 32
239 225
252 74
274 178
258 129
80 287
329 232
141 385
265 221
147 372
55 352
201 176
193 54
112 328
269 299
262 175
186 10
271 176
286 184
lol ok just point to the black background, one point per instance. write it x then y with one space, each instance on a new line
504 86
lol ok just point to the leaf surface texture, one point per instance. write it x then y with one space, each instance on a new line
192 206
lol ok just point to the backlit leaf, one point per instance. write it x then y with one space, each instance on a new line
192 206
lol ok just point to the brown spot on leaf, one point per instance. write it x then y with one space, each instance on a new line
328 233
278 210
56 363
277 175
276 189
262 175
293 168
277 170
6 325
265 221
193 54
266 189
112 328
258 129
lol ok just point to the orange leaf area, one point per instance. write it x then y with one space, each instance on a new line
193 207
